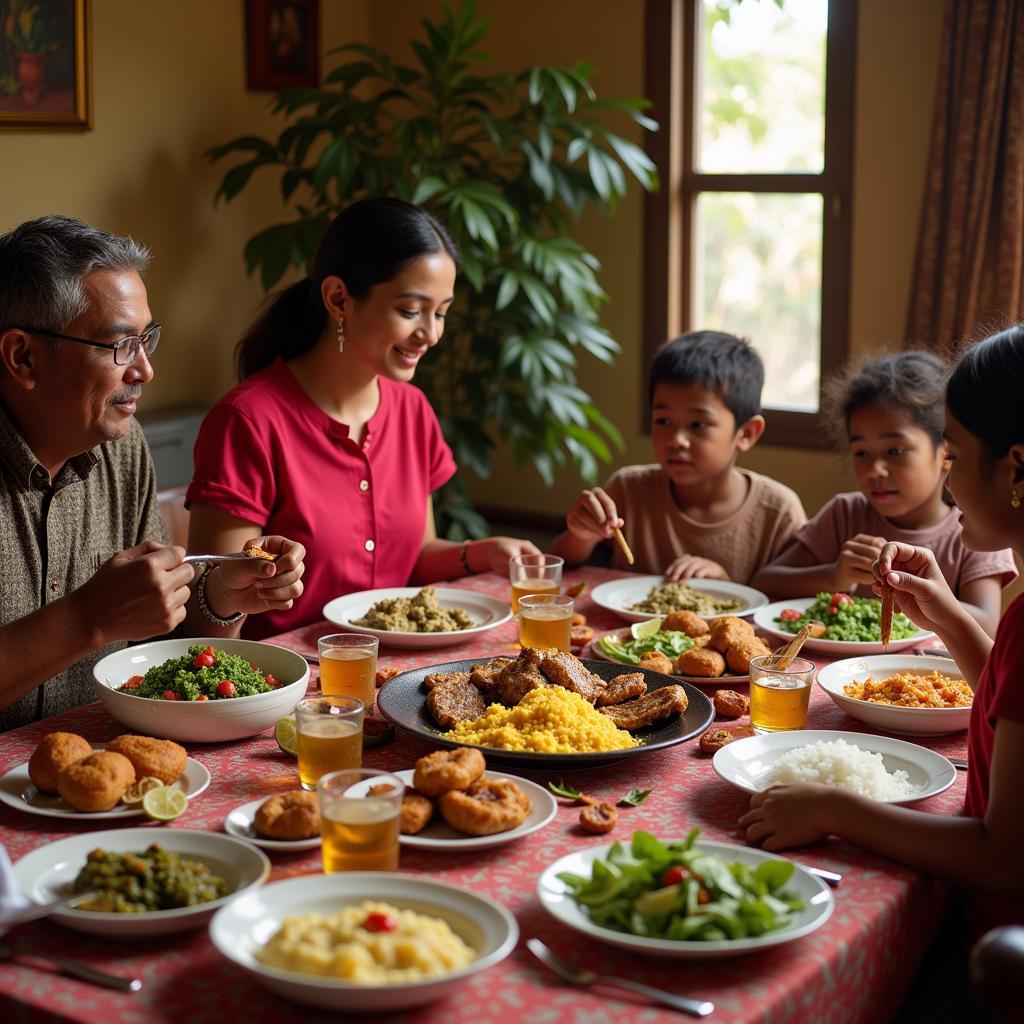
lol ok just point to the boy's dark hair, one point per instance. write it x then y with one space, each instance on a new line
910 383
717 361
985 388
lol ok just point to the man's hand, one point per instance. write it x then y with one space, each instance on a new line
258 584
855 562
137 594
594 516
692 567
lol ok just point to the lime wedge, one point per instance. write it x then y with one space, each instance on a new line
137 790
165 803
286 736
656 902
643 630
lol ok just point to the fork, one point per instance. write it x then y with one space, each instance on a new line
581 976
75 968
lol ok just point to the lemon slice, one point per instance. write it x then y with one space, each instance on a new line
165 803
642 630
286 735
137 790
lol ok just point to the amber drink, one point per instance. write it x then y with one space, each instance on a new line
779 697
534 574
348 666
359 829
545 621
330 736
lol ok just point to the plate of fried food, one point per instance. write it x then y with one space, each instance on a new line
416 617
69 777
284 822
637 598
545 708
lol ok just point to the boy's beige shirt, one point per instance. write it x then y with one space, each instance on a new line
659 532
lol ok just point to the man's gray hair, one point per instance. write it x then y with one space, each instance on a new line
43 262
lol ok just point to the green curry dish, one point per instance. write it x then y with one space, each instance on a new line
672 890
191 678
852 619
670 642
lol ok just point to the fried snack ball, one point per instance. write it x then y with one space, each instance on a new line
599 817
730 704
728 630
657 662
686 622
289 816
579 619
55 752
443 770
739 654
718 736
580 635
700 661
384 674
163 759
96 782
487 807
416 810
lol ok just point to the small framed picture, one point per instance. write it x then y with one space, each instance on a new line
44 64
282 43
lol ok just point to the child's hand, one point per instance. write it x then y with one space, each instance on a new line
922 593
594 516
692 567
786 816
856 561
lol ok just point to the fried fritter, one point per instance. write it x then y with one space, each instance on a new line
162 759
579 619
442 770
568 671
485 677
718 736
289 816
487 807
96 782
519 677
657 662
56 750
580 636
653 706
728 630
432 679
599 817
457 700
384 674
622 688
739 654
416 810
730 704
686 622
700 661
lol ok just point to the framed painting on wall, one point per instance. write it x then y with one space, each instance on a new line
282 43
44 57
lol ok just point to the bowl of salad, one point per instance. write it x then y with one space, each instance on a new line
201 690
841 625
686 898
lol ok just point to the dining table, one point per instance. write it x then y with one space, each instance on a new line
857 967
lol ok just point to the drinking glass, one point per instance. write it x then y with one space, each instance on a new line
545 621
330 736
779 697
534 574
348 666
359 818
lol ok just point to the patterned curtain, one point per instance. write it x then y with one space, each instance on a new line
969 272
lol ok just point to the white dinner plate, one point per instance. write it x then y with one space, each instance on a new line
748 762
487 612
624 634
888 717
17 790
241 823
46 874
764 619
556 900
620 595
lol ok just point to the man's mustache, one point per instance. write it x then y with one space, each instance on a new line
128 394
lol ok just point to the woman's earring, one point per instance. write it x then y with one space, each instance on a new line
341 334
1014 498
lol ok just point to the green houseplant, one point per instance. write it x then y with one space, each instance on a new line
508 162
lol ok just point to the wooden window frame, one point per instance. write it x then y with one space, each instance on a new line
671 41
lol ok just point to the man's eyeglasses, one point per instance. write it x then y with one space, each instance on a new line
125 351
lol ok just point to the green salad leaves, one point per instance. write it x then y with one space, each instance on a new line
847 618
670 642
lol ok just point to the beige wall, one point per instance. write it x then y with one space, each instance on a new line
166 89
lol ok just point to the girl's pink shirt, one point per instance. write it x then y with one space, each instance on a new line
266 453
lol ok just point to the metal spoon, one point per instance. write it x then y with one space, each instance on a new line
235 556
36 911
74 968
580 976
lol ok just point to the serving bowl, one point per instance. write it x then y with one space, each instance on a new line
887 717
620 595
250 921
210 721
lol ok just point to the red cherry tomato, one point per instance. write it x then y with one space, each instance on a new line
380 923
203 660
226 688
132 684
272 681
202 696
171 695
209 650
789 614
674 875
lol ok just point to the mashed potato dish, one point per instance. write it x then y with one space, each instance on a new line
370 944
420 614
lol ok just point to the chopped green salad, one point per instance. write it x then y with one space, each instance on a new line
667 890
670 642
846 618
205 673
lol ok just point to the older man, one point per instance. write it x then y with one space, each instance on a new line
84 562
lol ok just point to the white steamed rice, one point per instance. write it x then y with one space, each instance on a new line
837 763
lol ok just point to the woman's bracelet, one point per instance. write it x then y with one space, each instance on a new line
205 610
464 558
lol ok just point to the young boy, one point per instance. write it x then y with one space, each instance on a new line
694 514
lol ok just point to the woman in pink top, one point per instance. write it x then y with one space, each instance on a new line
890 414
325 440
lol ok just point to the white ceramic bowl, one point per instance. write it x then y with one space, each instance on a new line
210 721
251 920
902 721
46 875
621 594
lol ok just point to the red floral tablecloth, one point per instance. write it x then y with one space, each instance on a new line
858 967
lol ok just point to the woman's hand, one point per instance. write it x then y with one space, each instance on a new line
495 553
786 816
594 516
692 567
922 593
258 585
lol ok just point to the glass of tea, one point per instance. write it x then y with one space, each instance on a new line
348 666
330 736
779 697
545 621
534 574
359 818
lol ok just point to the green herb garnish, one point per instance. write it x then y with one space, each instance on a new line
635 797
565 791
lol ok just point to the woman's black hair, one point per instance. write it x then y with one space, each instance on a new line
369 242
911 383
985 391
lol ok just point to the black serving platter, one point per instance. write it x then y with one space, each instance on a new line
402 701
